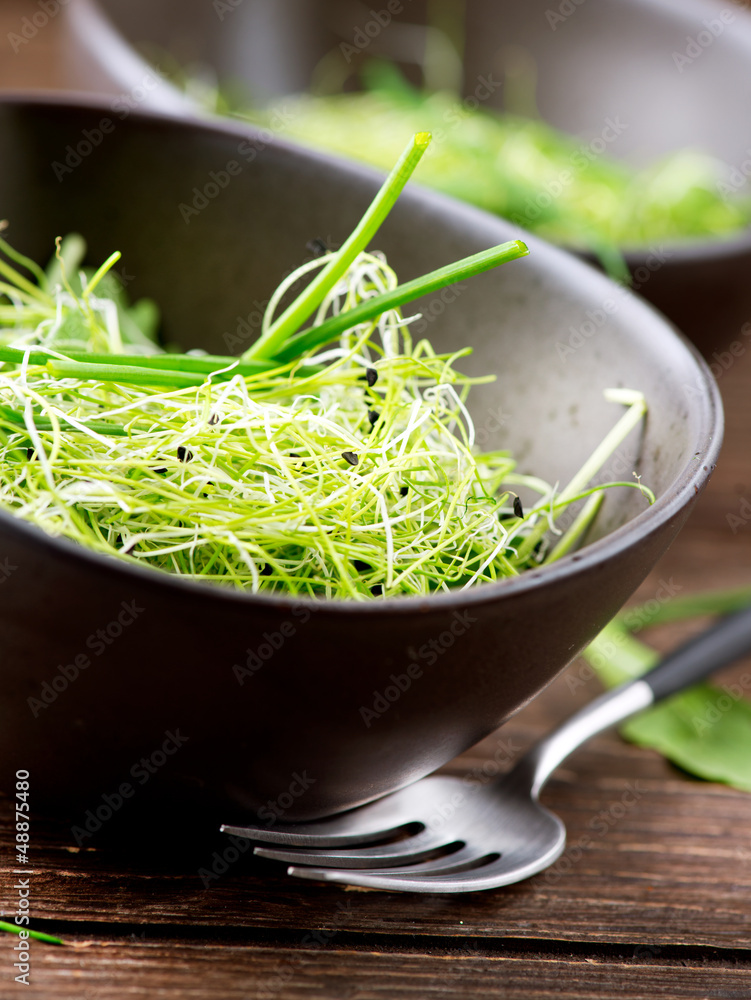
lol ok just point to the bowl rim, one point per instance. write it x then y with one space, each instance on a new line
686 484
684 13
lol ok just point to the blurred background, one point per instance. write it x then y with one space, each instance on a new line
616 128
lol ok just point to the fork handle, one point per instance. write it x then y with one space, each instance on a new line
713 649
716 647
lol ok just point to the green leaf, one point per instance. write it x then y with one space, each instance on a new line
705 730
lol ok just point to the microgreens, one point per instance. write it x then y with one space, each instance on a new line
337 462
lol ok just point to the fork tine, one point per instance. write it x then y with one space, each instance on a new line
465 858
496 872
314 835
376 821
412 849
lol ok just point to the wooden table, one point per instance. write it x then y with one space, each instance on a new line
651 899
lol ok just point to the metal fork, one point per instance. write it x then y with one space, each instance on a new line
460 837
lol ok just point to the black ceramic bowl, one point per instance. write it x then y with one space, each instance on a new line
137 671
670 74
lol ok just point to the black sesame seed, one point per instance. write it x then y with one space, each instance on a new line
360 566
371 376
377 590
214 419
373 416
518 509
159 472
317 246
349 456
267 570
403 491
184 454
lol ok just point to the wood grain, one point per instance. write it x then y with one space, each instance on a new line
177 970
648 850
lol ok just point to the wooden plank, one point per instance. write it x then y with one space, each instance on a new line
653 857
113 969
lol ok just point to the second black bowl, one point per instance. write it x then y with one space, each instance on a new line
672 74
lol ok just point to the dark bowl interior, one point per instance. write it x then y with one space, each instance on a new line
311 667
672 73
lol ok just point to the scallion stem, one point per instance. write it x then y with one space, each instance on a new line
18 280
206 364
581 523
125 374
330 329
25 262
36 935
713 602
637 407
100 273
303 307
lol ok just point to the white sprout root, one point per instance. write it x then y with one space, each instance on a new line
316 485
